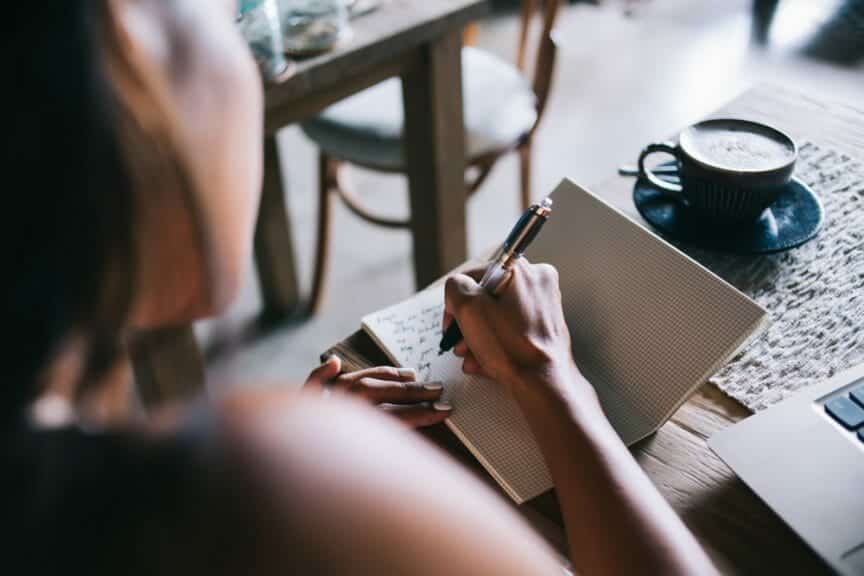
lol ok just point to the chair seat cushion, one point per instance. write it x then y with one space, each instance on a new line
499 108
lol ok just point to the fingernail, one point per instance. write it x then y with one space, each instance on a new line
442 406
433 386
407 372
332 358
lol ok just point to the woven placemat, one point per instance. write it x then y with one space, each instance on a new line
814 294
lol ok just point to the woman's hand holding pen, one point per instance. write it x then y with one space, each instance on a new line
395 390
518 337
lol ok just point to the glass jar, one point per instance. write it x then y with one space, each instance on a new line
313 26
259 23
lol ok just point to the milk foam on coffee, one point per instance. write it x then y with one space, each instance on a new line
737 147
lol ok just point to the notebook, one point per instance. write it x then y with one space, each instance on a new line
648 325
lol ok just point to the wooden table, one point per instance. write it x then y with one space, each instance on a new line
420 41
417 39
740 533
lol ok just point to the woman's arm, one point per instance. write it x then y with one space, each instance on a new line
616 520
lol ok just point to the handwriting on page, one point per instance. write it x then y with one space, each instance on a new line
415 333
484 416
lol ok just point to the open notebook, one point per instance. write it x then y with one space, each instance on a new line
649 325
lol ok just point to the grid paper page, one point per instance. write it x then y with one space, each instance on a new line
648 323
485 418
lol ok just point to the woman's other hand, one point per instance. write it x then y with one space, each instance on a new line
395 390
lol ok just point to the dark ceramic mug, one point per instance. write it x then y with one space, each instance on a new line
729 169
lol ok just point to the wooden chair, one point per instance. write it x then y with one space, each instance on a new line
501 110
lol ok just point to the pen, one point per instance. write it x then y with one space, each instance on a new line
520 237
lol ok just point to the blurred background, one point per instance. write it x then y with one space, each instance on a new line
629 72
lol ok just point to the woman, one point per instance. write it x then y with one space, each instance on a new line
137 130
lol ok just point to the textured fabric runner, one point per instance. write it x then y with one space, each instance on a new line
814 294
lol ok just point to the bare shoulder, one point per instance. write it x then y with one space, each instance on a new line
366 495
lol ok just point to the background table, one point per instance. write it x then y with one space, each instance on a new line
739 532
420 41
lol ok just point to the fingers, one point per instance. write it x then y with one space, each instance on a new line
525 279
446 320
543 274
423 415
459 290
395 392
461 349
476 273
471 366
378 373
519 272
547 276
414 403
325 372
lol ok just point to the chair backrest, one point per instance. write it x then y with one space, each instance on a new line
544 65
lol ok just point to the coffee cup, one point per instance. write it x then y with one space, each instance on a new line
729 169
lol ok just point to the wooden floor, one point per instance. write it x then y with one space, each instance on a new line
622 81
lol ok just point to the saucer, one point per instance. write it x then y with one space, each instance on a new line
793 219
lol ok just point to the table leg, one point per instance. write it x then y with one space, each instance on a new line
167 364
434 148
274 248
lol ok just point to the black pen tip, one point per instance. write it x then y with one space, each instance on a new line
441 352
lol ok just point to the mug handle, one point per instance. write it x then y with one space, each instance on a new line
644 172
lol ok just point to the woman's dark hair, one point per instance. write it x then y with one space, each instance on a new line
68 196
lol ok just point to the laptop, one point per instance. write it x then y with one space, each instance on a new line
804 457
